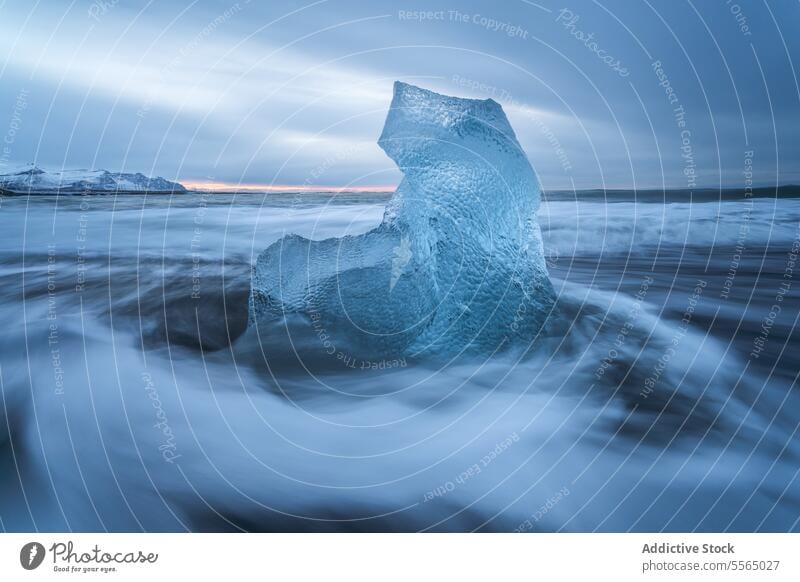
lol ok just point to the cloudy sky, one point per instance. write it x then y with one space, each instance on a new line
678 93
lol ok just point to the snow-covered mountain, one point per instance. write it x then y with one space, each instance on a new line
35 180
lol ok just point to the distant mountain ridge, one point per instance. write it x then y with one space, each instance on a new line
35 180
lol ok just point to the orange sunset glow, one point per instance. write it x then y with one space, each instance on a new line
216 186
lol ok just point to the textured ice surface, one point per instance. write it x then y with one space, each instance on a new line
456 265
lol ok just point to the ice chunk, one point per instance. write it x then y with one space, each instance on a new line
456 265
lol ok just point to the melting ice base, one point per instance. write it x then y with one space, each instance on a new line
456 265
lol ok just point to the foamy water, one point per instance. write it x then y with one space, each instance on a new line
659 396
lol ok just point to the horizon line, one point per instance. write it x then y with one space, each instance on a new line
219 186
205 185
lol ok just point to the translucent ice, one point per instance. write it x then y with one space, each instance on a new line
455 266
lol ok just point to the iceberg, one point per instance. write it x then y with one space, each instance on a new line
456 266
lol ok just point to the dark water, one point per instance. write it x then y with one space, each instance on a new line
660 396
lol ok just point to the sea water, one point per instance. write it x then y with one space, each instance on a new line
659 395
